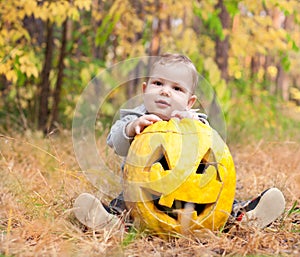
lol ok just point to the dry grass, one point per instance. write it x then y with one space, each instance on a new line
40 179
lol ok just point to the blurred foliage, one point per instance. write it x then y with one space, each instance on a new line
262 117
263 54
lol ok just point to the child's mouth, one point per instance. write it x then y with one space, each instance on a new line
162 103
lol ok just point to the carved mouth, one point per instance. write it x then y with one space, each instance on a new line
176 207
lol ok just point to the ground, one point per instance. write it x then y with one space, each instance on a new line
40 178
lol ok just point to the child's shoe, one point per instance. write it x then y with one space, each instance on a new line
90 212
261 211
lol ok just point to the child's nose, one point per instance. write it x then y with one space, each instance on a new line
165 91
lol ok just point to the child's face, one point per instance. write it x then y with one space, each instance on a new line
168 89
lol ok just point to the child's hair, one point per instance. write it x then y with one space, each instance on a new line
169 58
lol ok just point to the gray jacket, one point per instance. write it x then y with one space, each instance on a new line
117 138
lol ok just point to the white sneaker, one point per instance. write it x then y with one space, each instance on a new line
266 208
90 212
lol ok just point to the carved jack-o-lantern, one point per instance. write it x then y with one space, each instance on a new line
179 176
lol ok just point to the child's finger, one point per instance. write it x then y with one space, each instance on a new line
137 130
153 117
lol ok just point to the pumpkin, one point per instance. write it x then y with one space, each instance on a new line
179 177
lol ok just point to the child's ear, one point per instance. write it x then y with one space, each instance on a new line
144 86
191 102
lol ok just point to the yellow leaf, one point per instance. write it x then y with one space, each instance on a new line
73 14
238 74
11 76
214 72
35 72
30 7
86 4
272 71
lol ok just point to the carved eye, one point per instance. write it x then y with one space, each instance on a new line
159 156
207 160
163 162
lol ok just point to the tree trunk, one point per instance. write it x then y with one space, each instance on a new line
134 86
222 46
156 27
97 51
60 75
45 81
35 28
255 65
282 80
282 83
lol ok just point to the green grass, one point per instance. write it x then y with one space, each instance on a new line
130 237
265 120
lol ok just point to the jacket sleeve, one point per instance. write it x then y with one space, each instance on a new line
117 138
203 118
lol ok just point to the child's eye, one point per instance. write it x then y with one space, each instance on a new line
157 83
177 88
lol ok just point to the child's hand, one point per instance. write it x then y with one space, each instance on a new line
138 125
184 114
